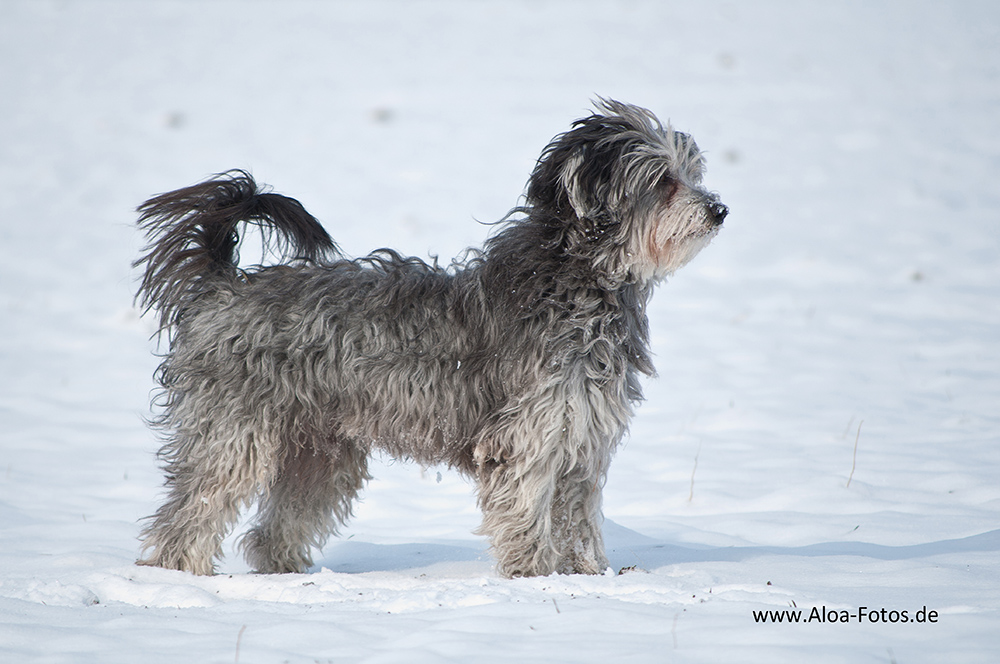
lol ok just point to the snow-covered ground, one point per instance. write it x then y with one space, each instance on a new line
825 430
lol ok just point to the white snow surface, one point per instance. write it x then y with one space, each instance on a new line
824 430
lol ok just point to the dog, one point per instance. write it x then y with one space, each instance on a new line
518 365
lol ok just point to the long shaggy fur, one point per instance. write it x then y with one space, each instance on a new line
518 367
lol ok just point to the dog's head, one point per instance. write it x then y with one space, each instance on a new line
626 193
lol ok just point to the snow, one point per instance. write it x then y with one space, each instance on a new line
824 431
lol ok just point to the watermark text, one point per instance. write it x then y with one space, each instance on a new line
863 614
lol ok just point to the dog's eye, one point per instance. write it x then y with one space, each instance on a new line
670 188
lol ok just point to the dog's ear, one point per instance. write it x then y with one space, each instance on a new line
580 182
547 185
573 173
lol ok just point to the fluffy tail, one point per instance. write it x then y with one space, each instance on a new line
193 237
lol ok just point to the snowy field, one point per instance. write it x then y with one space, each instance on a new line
825 430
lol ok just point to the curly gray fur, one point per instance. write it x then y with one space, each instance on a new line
519 366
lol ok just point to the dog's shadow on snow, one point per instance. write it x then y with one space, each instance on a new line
625 548
350 557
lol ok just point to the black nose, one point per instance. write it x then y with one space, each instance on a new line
718 212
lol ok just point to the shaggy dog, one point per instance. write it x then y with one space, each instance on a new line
519 366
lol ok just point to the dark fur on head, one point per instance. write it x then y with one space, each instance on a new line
518 367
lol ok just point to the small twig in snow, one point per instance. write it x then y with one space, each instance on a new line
854 459
239 637
691 492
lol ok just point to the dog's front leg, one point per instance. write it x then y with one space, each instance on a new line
541 500
516 497
577 520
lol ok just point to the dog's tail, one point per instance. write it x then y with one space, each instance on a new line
193 238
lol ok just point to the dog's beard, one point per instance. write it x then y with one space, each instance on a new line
676 252
672 237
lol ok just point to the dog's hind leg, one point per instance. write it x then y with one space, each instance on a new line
209 481
310 498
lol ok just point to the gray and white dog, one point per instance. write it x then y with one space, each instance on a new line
519 365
